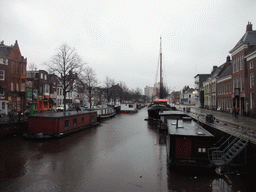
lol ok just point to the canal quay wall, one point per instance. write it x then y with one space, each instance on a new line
226 125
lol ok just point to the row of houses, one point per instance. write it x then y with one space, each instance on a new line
230 85
20 88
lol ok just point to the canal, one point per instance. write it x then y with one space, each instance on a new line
124 153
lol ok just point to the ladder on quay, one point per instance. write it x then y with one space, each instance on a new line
228 150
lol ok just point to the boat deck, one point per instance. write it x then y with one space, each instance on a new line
186 128
59 115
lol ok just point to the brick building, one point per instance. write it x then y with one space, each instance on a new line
242 73
12 78
224 87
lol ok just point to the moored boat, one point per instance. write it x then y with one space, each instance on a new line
159 104
104 111
129 107
49 125
187 146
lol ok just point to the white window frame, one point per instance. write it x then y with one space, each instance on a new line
251 80
2 61
2 75
242 83
251 65
251 99
42 76
234 66
45 77
12 86
237 64
17 86
23 86
241 62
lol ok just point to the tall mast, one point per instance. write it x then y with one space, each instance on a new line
161 77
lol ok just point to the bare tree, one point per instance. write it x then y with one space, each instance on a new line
90 81
107 85
64 64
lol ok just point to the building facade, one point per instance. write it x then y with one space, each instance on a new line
224 87
12 78
242 74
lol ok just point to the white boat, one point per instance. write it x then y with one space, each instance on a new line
104 111
129 107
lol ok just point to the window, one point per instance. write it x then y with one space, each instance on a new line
234 85
201 150
17 86
67 124
82 120
6 62
75 122
1 92
42 76
241 62
2 77
12 86
242 83
237 81
251 65
22 86
12 67
1 60
251 80
237 64
46 88
251 100
3 105
234 66
23 70
45 77
130 106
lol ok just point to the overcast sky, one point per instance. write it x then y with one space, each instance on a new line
121 38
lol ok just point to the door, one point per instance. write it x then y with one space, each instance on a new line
183 147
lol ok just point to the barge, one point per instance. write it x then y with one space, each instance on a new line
49 125
187 146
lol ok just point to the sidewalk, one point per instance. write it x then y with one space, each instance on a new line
228 123
245 122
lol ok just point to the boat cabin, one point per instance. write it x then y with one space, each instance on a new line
129 107
58 124
188 143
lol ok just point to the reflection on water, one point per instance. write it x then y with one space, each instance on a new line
124 153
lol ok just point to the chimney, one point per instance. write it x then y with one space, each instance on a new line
228 58
249 27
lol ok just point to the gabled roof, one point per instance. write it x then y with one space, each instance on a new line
226 72
248 38
216 71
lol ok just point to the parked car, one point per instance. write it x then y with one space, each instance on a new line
61 108
2 112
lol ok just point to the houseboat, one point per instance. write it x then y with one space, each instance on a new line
129 107
187 146
48 125
104 111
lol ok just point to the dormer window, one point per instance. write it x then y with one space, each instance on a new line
1 61
45 77
42 76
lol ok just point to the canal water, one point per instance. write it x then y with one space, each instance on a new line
124 153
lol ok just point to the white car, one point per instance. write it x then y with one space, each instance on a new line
61 108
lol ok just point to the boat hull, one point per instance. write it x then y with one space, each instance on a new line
59 124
